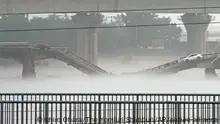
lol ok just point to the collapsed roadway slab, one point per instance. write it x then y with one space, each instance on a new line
209 61
27 54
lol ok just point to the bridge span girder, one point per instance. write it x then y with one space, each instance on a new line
27 56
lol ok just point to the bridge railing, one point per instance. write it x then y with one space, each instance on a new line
166 65
108 112
109 97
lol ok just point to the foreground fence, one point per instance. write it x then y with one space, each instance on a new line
110 97
109 108
51 112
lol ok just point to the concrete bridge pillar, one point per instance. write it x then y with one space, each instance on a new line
28 67
87 44
210 72
196 31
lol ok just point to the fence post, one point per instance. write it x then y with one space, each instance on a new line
218 111
213 111
137 109
177 111
134 115
61 109
2 117
99 112
46 112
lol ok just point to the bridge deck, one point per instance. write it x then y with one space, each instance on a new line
15 51
75 61
180 65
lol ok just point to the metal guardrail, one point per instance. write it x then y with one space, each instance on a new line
46 108
109 97
108 112
168 64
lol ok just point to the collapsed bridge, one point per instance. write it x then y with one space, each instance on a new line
208 61
28 54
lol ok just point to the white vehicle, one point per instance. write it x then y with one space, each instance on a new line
193 56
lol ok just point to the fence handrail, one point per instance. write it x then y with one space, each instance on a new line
110 94
109 102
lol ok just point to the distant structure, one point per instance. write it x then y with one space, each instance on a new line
212 40
87 39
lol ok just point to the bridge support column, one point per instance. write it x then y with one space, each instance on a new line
196 25
28 67
87 44
210 72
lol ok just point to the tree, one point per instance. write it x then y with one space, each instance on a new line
55 37
11 23
146 34
112 39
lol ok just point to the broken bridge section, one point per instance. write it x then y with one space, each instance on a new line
209 61
76 61
21 52
28 54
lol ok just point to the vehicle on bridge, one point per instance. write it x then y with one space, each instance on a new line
194 56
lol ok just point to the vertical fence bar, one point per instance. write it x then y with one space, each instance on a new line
99 112
213 113
46 111
22 112
40 112
176 110
13 112
90 113
70 112
2 113
19 112
134 111
26 111
218 111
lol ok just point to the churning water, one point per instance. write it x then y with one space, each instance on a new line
59 78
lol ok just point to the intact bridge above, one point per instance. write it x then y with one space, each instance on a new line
28 54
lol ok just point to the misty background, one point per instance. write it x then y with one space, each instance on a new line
120 50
